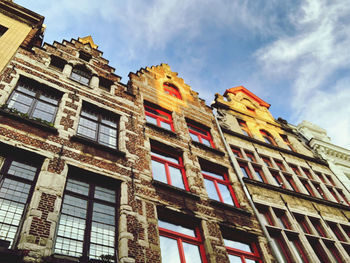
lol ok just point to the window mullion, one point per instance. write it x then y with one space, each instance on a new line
218 191
181 250
167 172
87 234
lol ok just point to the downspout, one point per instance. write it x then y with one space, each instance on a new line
245 189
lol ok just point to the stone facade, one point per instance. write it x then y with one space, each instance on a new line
338 158
303 205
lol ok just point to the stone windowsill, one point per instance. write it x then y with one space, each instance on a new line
228 206
207 148
156 127
174 189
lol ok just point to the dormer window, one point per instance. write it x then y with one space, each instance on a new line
81 74
105 84
84 56
172 90
57 63
268 137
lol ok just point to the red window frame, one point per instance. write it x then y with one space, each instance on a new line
280 165
168 163
321 177
320 191
278 179
336 231
267 161
299 248
236 152
303 224
244 254
318 227
250 156
265 212
334 252
343 196
330 180
244 128
307 173
285 139
284 250
291 182
260 174
225 182
247 173
331 190
295 170
201 134
319 251
172 90
159 117
281 215
180 238
308 188
268 137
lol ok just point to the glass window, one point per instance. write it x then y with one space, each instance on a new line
241 252
172 90
34 100
81 74
287 142
87 225
200 135
250 156
57 63
260 175
236 152
298 249
219 187
168 168
267 137
280 165
16 184
180 243
98 126
308 188
278 179
267 161
244 128
245 170
159 117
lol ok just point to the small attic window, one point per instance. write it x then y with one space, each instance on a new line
3 30
105 84
57 63
84 56
172 90
81 74
251 110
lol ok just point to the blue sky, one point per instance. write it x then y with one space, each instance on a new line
293 54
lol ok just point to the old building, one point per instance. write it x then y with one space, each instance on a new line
18 27
302 205
338 158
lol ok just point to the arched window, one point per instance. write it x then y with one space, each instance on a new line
268 137
172 90
81 74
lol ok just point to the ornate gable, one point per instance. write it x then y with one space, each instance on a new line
248 96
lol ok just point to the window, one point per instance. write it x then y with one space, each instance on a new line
319 251
345 200
3 30
337 232
280 165
303 224
57 63
308 188
239 251
331 190
307 173
330 180
34 100
81 74
168 168
250 156
285 139
282 219
244 128
159 117
180 243
84 56
98 126
318 227
16 185
105 84
260 175
320 176
267 161
291 183
320 191
245 170
295 170
218 186
172 90
87 225
334 253
236 152
201 135
267 137
281 246
298 249
278 179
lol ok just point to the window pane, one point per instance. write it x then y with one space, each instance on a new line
166 157
77 187
45 107
238 245
218 176
87 128
225 194
109 121
192 254
296 251
20 102
211 190
151 120
194 137
158 171
49 98
280 250
169 250
250 261
206 142
105 194
176 177
103 214
14 191
197 130
177 228
90 114
234 259
22 170
245 174
44 111
74 206
26 89
165 125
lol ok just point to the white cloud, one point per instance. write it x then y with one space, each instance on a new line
310 57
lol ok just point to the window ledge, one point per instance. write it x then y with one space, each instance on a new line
203 146
58 258
94 144
156 127
175 189
81 83
32 122
228 206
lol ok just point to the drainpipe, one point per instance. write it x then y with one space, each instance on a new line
245 189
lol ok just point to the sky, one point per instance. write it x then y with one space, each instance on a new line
294 54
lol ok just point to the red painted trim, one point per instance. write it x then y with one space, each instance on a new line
292 183
158 118
300 250
267 161
172 90
236 152
343 196
280 165
334 194
330 180
308 188
244 127
242 89
201 135
268 137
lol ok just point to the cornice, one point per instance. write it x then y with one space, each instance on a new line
330 149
